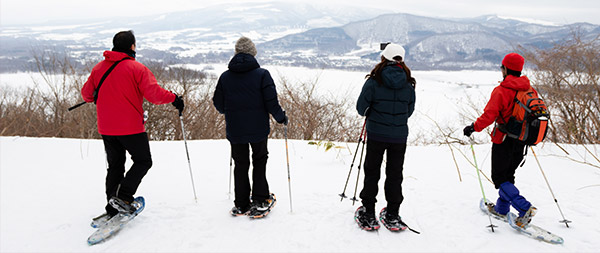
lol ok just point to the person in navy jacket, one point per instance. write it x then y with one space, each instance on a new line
246 94
120 115
387 100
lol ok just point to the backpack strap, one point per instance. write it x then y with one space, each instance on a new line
104 77
513 105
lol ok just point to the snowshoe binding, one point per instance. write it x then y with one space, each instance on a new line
525 220
262 209
239 211
366 221
392 222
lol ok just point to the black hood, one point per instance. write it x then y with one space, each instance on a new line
243 63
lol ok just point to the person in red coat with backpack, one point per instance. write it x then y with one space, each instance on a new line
507 153
118 86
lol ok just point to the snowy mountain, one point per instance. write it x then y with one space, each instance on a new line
300 34
431 43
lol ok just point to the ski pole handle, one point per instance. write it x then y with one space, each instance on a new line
76 106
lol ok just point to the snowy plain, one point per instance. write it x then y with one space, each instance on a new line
50 188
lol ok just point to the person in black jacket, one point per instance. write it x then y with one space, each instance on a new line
246 94
387 100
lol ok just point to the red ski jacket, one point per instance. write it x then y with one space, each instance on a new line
119 106
501 104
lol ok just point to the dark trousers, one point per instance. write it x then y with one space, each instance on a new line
118 183
393 173
260 186
506 158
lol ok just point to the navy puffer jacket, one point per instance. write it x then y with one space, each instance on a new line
389 104
246 94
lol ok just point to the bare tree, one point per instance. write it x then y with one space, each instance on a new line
567 75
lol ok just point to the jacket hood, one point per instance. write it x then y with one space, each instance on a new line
115 56
516 83
243 63
394 77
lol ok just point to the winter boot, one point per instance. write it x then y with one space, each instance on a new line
365 220
523 221
240 211
261 209
392 222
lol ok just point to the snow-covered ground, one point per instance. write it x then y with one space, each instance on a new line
51 188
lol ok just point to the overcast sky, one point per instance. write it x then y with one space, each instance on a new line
560 12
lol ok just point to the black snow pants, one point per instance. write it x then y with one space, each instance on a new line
118 183
506 158
260 186
393 172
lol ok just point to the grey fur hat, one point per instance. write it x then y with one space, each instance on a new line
245 45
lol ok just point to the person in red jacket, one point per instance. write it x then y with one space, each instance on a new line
120 115
507 153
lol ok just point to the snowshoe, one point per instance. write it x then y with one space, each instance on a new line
366 221
392 222
239 211
262 209
488 207
523 221
101 220
123 206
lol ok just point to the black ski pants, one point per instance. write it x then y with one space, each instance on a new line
260 186
506 158
118 183
393 173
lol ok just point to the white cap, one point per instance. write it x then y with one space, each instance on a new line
392 50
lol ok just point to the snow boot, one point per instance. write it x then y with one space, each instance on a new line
523 221
366 221
392 222
263 208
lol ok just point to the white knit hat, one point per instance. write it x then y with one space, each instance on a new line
245 45
392 50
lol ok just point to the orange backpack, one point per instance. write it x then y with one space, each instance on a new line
529 120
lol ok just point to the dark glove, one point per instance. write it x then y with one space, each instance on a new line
285 119
178 103
469 130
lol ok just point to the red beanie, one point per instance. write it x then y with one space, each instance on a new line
513 61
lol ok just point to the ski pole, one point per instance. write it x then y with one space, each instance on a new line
77 105
230 169
480 184
565 221
285 130
188 155
343 194
354 199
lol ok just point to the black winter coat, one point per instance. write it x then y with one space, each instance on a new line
246 94
389 104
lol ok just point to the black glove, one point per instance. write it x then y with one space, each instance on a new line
285 119
469 130
178 103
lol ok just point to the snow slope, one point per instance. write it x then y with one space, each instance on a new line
51 188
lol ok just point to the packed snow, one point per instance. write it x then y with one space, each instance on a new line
50 188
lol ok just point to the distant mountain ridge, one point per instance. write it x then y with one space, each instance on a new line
431 43
293 34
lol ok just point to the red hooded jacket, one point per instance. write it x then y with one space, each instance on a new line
119 106
501 103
